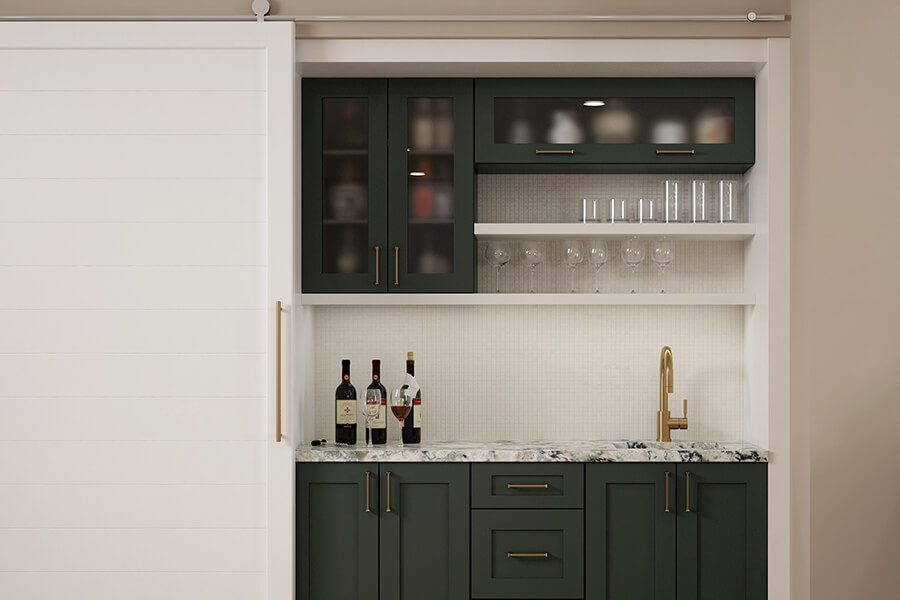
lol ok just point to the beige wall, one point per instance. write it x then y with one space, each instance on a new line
846 279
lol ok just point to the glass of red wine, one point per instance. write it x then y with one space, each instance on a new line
401 404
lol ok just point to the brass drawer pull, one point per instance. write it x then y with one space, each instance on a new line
667 491
691 152
377 265
544 486
388 492
554 151
687 484
518 554
396 265
368 508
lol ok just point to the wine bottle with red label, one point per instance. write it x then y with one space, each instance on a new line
379 424
345 408
412 428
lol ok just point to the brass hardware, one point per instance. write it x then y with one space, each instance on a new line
278 310
517 554
388 492
554 151
687 484
665 422
396 265
368 509
527 485
377 264
675 152
667 491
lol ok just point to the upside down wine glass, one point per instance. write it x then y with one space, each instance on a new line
497 254
634 251
662 254
532 255
597 256
573 255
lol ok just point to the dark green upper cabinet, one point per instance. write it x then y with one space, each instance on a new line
388 186
344 185
646 125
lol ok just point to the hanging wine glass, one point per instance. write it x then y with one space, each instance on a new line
597 256
573 254
634 251
497 254
662 254
531 255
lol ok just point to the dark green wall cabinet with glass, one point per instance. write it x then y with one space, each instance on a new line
412 542
641 125
388 187
691 531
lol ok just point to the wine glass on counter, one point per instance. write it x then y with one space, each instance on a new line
573 254
498 254
662 254
597 257
634 251
401 404
531 255
373 403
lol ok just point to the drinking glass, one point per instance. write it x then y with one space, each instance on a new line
573 255
673 200
662 254
401 404
373 403
598 255
531 255
634 251
648 210
498 254
621 210
728 206
701 202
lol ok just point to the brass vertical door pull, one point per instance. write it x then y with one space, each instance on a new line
396 265
535 554
278 310
687 484
667 491
388 492
543 486
368 508
554 151
377 265
691 152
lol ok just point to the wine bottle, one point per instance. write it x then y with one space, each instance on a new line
379 425
345 408
412 428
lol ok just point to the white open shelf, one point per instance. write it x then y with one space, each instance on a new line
527 299
683 231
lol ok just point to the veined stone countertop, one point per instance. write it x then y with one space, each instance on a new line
584 451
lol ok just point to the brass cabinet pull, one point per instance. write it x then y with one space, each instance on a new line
377 265
527 485
554 151
691 152
368 509
388 492
278 310
667 491
517 554
687 484
396 265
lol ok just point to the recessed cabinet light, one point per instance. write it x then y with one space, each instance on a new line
417 173
594 103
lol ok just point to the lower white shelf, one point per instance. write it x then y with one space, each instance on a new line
525 299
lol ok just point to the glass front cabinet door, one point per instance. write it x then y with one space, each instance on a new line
387 185
627 124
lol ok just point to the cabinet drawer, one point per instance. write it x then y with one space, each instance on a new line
533 485
527 554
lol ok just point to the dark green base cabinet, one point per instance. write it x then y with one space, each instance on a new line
412 542
665 531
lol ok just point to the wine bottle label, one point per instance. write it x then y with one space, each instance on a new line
417 413
379 422
345 412
411 384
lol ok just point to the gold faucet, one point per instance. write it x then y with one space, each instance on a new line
665 423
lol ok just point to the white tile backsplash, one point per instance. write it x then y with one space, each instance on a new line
541 372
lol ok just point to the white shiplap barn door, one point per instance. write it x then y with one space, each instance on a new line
145 235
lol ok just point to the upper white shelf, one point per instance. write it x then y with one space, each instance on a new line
683 231
528 299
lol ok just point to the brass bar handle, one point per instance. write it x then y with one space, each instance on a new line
667 491
388 492
687 484
509 486
278 310
691 152
377 265
554 151
368 508
396 265
518 554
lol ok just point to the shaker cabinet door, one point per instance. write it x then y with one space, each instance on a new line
337 538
